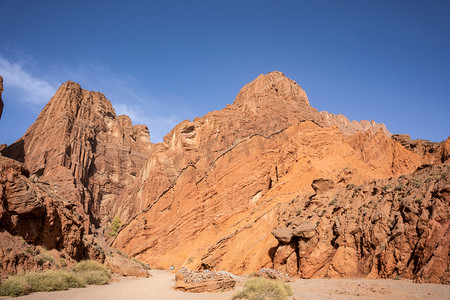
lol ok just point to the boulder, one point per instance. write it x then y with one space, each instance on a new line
322 185
283 235
305 230
121 266
273 274
206 281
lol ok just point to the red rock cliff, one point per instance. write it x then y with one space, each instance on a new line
83 149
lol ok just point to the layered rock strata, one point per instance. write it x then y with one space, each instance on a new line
34 214
220 192
390 228
79 146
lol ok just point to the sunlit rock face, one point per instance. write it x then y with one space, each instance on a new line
268 181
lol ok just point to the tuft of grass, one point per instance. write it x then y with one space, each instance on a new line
93 272
333 202
85 272
262 288
115 226
95 277
143 265
44 255
90 265
53 281
62 263
14 286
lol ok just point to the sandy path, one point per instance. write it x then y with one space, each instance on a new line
382 289
160 287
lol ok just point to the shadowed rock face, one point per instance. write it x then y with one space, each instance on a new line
31 213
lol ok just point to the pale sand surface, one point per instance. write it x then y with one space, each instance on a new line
160 287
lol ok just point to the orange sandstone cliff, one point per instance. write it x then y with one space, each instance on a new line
268 181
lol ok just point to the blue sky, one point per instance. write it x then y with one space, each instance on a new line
165 61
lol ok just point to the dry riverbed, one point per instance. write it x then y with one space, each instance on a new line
160 287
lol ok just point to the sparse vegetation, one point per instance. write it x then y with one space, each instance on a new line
399 187
53 281
62 262
262 288
85 272
44 255
333 202
14 286
115 226
387 187
350 186
145 266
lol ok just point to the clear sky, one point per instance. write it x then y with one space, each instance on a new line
165 61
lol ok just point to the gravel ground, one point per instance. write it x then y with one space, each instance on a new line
160 287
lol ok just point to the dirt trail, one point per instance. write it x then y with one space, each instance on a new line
160 287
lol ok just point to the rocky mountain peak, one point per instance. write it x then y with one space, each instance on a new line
270 89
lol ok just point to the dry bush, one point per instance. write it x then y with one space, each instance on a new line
264 289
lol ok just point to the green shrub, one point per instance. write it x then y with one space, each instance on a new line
95 277
52 281
72 279
115 226
62 263
264 289
333 202
14 286
86 272
90 265
44 256
93 272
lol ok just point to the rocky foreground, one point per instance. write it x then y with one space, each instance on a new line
266 182
160 286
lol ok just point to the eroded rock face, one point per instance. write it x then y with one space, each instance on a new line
223 217
431 151
381 229
266 106
81 148
210 195
125 267
32 213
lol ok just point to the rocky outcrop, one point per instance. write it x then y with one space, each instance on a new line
33 214
1 101
273 274
348 127
222 217
211 195
206 281
432 152
124 267
266 106
390 228
81 148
